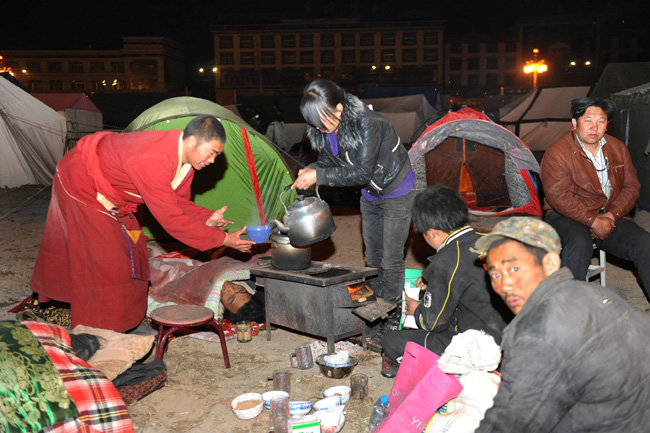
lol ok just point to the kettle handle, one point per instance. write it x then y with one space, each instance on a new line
286 188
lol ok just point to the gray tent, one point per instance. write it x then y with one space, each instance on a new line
32 138
617 77
632 125
543 116
407 114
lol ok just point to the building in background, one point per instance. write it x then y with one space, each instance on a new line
143 64
275 58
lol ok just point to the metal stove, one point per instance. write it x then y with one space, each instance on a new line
315 300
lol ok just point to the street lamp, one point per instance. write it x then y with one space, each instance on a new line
535 66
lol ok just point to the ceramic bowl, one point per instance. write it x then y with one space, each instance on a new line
330 421
299 408
327 360
336 372
327 403
258 234
267 396
246 400
342 390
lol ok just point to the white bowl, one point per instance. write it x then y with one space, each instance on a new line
328 403
342 390
251 412
331 421
267 396
299 408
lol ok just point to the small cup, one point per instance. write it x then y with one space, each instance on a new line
244 332
279 413
359 386
282 380
302 358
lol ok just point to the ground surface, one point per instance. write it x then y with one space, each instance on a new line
199 391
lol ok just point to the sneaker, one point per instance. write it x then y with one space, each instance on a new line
384 328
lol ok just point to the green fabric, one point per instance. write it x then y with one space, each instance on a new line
227 182
32 393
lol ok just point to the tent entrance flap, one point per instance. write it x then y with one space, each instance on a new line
476 171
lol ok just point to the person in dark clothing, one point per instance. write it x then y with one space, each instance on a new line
458 296
358 147
575 358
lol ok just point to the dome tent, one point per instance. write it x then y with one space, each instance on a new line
248 177
490 166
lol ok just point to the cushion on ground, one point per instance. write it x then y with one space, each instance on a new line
118 351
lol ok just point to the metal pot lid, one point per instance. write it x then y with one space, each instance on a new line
279 237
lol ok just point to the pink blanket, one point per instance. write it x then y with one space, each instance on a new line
187 281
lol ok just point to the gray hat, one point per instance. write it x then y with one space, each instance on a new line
528 230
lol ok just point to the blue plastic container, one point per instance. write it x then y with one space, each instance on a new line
258 234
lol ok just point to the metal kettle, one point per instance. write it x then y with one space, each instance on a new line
307 221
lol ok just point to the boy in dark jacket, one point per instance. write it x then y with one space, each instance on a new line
458 295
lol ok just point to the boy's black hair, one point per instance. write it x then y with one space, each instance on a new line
440 208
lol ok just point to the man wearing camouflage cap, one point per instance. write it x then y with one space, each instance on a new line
575 358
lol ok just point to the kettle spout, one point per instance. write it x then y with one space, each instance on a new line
281 227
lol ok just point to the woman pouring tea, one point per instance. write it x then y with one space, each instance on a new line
357 146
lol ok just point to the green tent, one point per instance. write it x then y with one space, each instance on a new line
248 177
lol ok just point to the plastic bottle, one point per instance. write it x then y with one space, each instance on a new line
379 412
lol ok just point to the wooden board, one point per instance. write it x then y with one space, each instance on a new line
374 310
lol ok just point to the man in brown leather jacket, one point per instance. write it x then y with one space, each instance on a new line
590 186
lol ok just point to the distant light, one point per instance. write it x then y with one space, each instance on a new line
535 51
24 71
201 70
373 67
587 63
573 63
387 67
542 68
215 69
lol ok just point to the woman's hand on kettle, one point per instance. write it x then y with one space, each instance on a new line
233 241
306 178
217 219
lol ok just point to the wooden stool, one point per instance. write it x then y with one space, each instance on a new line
175 317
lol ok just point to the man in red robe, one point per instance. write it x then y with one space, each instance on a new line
92 255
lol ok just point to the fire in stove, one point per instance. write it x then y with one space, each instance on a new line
361 293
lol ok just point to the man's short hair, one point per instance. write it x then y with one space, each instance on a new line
440 208
527 230
205 128
252 311
579 106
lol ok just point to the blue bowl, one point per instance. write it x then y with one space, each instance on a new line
299 408
258 234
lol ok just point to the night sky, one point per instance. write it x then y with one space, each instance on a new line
72 27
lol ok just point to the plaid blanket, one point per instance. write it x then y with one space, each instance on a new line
98 402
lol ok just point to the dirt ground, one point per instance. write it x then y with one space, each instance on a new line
198 394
